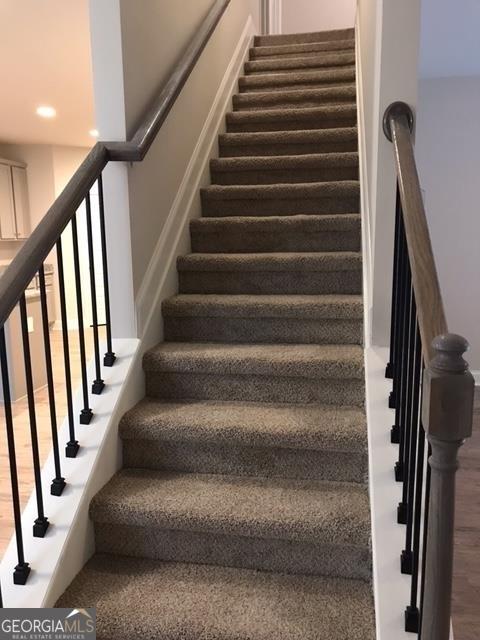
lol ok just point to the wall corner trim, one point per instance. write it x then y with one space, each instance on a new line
365 204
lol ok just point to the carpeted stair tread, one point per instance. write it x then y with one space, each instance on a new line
282 81
341 222
282 509
304 38
275 199
242 509
247 234
314 442
322 60
296 361
295 119
315 427
271 273
293 98
266 306
300 168
189 602
281 191
299 50
262 143
303 262
307 161
334 319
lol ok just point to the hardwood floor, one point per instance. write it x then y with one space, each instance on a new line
466 582
22 429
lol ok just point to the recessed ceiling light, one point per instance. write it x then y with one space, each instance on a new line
93 133
46 112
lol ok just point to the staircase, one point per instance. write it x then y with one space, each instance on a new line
242 509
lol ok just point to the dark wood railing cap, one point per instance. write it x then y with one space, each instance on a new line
396 110
449 349
398 125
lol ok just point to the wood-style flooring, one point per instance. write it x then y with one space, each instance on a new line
466 580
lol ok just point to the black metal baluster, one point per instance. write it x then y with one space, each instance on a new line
425 537
22 570
98 384
396 259
409 482
72 445
109 357
41 523
397 326
403 372
412 614
394 397
408 428
86 413
58 483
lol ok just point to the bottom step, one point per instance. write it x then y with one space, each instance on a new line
138 599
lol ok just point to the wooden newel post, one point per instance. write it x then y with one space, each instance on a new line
447 411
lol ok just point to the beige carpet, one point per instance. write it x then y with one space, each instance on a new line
242 511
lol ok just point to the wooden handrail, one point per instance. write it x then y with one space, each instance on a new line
28 260
446 392
398 124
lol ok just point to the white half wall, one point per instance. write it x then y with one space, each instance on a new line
300 16
447 143
388 71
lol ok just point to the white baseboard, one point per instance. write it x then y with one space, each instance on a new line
183 207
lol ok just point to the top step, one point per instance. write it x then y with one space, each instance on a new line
302 38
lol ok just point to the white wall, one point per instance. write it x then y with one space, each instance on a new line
299 16
388 72
160 32
154 33
146 45
450 45
447 151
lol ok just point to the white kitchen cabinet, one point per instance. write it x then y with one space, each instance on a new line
14 209
20 197
8 230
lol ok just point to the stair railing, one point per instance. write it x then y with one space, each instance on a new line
432 394
72 206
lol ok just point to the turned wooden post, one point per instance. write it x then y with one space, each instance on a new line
447 411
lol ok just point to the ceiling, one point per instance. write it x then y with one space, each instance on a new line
45 60
450 38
